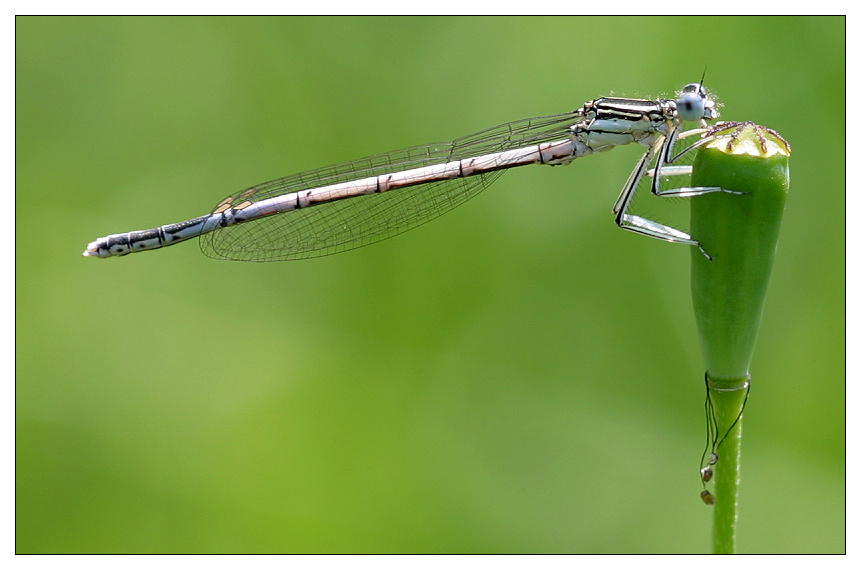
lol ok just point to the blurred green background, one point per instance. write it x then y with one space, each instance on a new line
517 376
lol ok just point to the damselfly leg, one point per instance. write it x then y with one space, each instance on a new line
669 158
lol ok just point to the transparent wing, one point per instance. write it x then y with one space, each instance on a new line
338 226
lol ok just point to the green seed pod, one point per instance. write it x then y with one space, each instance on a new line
740 232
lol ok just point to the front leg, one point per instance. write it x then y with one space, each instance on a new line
625 220
667 165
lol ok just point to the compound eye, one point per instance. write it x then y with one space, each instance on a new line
691 105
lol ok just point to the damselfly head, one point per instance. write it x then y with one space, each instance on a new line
693 104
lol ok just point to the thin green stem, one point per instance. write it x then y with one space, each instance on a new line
728 400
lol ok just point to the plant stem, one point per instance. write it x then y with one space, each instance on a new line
740 233
728 401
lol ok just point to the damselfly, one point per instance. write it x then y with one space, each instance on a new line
352 204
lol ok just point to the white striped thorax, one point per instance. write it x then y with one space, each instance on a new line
616 122
357 203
